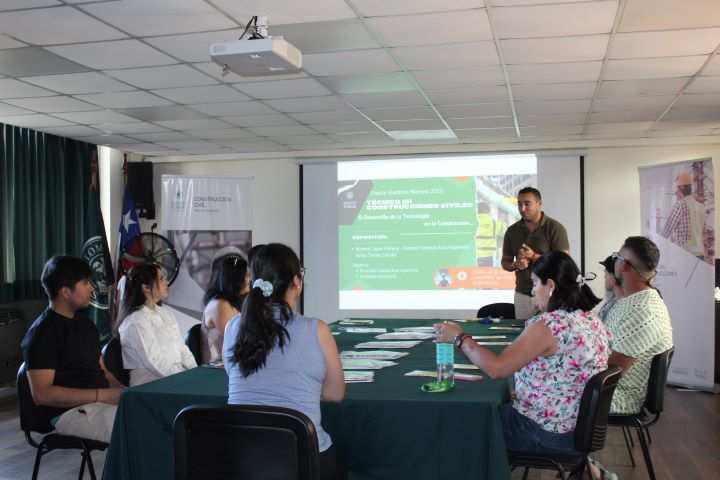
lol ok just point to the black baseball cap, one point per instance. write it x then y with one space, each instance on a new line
609 264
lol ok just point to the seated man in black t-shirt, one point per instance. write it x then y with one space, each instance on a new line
67 376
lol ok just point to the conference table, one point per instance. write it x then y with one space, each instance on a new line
387 429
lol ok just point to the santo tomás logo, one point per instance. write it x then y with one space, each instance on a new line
94 254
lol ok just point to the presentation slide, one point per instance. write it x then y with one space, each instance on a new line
427 233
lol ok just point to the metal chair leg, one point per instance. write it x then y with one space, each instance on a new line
628 439
629 432
525 475
91 468
647 433
82 465
646 453
36 468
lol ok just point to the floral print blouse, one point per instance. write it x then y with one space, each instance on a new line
548 389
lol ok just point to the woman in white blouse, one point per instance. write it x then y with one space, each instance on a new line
152 347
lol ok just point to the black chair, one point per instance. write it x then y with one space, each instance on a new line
651 410
193 340
244 442
33 420
112 356
497 310
590 430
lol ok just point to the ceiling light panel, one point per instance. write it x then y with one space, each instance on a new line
455 55
555 20
399 125
390 99
113 55
631 88
125 99
653 68
21 62
234 108
79 83
453 96
643 15
35 120
332 36
379 82
159 77
459 77
554 72
673 43
11 88
301 105
433 28
550 50
406 113
349 63
561 91
160 17
304 87
190 95
59 25
281 12
53 104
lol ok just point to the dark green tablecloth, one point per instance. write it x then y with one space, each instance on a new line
388 429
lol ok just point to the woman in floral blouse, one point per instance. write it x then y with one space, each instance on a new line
554 357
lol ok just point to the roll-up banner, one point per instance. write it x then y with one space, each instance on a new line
201 215
678 214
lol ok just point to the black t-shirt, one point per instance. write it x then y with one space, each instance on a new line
70 346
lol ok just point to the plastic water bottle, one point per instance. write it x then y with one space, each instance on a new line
445 357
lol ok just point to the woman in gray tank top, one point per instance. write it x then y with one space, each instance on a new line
276 356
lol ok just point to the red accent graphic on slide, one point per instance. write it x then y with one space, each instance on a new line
460 179
358 288
473 278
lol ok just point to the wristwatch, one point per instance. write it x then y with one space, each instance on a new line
459 338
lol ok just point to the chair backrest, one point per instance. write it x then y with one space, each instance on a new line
655 397
193 340
592 421
497 310
33 418
244 441
112 356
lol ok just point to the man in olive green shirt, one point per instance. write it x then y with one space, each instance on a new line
525 240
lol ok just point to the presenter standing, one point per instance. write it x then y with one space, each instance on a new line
525 241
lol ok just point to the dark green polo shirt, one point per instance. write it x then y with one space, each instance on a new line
550 235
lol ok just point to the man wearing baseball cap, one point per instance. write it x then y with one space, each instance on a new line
613 291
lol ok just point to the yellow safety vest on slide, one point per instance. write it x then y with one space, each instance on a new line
485 236
696 210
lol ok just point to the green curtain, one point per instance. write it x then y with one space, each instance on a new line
43 190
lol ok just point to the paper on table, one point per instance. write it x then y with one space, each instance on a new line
365 330
466 366
416 329
390 344
373 354
505 328
349 321
365 364
458 376
493 343
488 337
358 376
404 336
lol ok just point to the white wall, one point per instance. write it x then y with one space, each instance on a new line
612 195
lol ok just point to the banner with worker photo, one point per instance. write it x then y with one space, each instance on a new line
203 217
677 204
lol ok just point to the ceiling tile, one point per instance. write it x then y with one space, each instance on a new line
220 134
113 55
73 132
281 131
235 142
543 131
653 68
152 114
693 114
275 120
704 85
160 17
280 12
77 83
632 88
345 115
215 71
349 63
163 137
303 87
59 25
345 127
312 104
467 26
6 109
618 127
673 43
189 144
390 99
109 140
648 102
125 99
130 128
364 139
20 62
643 15
316 146
679 133
302 139
610 135
403 113
234 108
459 77
53 104
475 110
481 122
515 3
7 42
685 100
713 66
455 55
158 77
554 72
560 91
685 125
379 82
11 88
499 134
376 8
625 116
404 125
551 120
555 20
332 36
94 117
23 4
36 120
193 124
453 96
191 95
559 49
552 107
192 47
